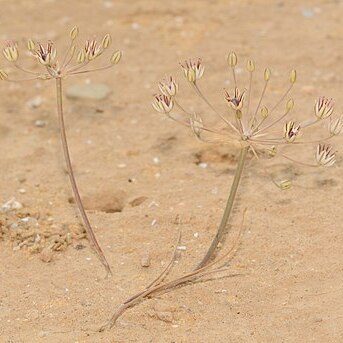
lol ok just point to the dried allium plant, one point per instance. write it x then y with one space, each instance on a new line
257 130
74 61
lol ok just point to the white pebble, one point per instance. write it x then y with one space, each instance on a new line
11 205
35 102
40 123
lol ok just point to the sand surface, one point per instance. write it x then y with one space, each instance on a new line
144 177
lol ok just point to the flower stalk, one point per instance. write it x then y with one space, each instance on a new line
88 227
228 209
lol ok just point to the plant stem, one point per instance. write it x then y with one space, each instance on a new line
228 209
88 227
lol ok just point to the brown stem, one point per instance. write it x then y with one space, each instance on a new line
88 227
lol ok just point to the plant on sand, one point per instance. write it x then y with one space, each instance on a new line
259 130
74 62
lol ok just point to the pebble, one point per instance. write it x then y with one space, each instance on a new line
46 255
35 102
29 221
11 205
165 316
40 123
203 165
90 91
145 260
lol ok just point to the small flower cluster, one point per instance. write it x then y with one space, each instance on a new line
73 62
256 127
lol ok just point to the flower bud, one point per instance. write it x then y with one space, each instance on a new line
74 33
267 74
293 76
232 60
106 41
3 75
116 57
290 105
81 56
285 184
31 45
264 112
250 66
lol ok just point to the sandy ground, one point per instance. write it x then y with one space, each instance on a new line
136 168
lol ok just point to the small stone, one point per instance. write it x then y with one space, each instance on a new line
137 201
40 123
203 165
90 91
29 221
165 316
145 260
42 334
11 205
35 102
46 254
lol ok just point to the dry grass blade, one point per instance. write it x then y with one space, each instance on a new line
156 288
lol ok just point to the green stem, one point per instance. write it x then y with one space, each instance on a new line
88 227
228 209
